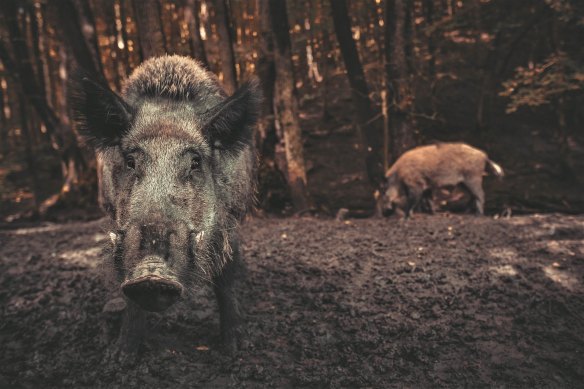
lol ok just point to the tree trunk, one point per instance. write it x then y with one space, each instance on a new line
266 71
3 125
429 11
273 188
78 31
400 95
103 14
366 118
35 41
286 106
28 149
197 45
22 72
62 136
150 33
225 45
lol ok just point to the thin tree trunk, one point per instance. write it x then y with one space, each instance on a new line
3 123
409 37
225 46
151 35
36 43
28 149
328 63
366 118
124 31
62 137
273 187
76 22
43 51
286 106
197 45
22 72
429 11
266 71
121 42
400 94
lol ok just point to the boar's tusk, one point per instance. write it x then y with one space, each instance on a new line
113 237
199 236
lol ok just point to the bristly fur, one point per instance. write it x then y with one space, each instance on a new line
173 77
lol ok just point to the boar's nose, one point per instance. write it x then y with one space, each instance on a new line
151 287
387 211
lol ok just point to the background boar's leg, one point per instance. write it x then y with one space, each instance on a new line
427 202
230 316
415 196
475 186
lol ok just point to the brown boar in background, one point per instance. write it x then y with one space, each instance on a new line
418 172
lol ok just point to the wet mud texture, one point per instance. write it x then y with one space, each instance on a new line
437 301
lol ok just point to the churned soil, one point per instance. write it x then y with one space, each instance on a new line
436 301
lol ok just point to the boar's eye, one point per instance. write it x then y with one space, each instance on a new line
196 162
130 162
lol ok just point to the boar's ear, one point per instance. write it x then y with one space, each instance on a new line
102 116
230 123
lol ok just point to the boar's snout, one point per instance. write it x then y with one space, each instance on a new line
387 211
151 287
387 208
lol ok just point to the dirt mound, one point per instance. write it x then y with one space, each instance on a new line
435 301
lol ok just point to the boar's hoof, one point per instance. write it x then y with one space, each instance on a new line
152 293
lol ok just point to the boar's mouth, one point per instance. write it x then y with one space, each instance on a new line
152 292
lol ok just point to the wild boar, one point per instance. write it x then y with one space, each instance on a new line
413 177
177 180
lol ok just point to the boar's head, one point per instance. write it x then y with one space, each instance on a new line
177 173
393 195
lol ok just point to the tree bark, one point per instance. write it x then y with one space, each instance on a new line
366 118
273 188
225 45
286 106
400 95
28 149
35 42
3 126
62 136
429 11
78 30
266 71
22 72
197 45
150 33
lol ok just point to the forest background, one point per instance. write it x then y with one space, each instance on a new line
348 85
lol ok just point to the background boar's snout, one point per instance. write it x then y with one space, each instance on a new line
387 211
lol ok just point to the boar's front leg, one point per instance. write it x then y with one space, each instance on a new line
230 316
414 197
131 335
133 328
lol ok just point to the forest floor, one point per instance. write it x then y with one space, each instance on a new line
437 301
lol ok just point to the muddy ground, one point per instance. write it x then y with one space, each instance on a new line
438 301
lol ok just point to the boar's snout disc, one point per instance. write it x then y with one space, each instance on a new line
152 293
